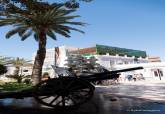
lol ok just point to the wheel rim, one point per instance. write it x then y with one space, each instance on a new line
63 92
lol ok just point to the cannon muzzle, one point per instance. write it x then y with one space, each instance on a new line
125 70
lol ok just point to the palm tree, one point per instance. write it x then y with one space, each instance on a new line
18 63
5 60
41 20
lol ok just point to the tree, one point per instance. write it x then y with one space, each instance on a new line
5 60
76 63
41 20
68 3
3 69
18 63
81 65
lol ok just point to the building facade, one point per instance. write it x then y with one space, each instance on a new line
153 71
113 58
106 56
55 56
109 56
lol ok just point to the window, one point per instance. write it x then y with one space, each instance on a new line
160 73
125 62
155 73
112 63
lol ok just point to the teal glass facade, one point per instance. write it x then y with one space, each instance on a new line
102 50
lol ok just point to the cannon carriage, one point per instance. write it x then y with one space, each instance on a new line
66 91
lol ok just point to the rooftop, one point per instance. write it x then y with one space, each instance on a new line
103 49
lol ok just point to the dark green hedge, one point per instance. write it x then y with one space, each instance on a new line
13 86
3 69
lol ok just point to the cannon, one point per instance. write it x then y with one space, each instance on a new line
65 91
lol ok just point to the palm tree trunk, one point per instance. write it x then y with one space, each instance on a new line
39 59
16 71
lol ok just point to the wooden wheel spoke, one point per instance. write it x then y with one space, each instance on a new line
63 101
72 99
59 102
54 100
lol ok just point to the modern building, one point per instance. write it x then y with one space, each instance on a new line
107 56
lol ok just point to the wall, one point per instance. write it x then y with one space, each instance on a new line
148 71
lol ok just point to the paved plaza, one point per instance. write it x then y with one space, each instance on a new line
147 91
130 98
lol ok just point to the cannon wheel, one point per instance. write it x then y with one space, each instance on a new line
63 92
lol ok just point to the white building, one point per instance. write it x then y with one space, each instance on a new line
110 61
58 56
112 58
152 71
24 70
108 56
55 56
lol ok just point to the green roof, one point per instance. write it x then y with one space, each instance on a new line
102 49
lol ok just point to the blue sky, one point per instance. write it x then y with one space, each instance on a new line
133 24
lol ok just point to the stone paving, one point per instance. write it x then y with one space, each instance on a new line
147 91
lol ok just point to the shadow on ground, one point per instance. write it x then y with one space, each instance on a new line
102 103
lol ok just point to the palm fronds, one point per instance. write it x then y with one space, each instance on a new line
56 19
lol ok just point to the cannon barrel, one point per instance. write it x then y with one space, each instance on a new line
125 70
107 75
